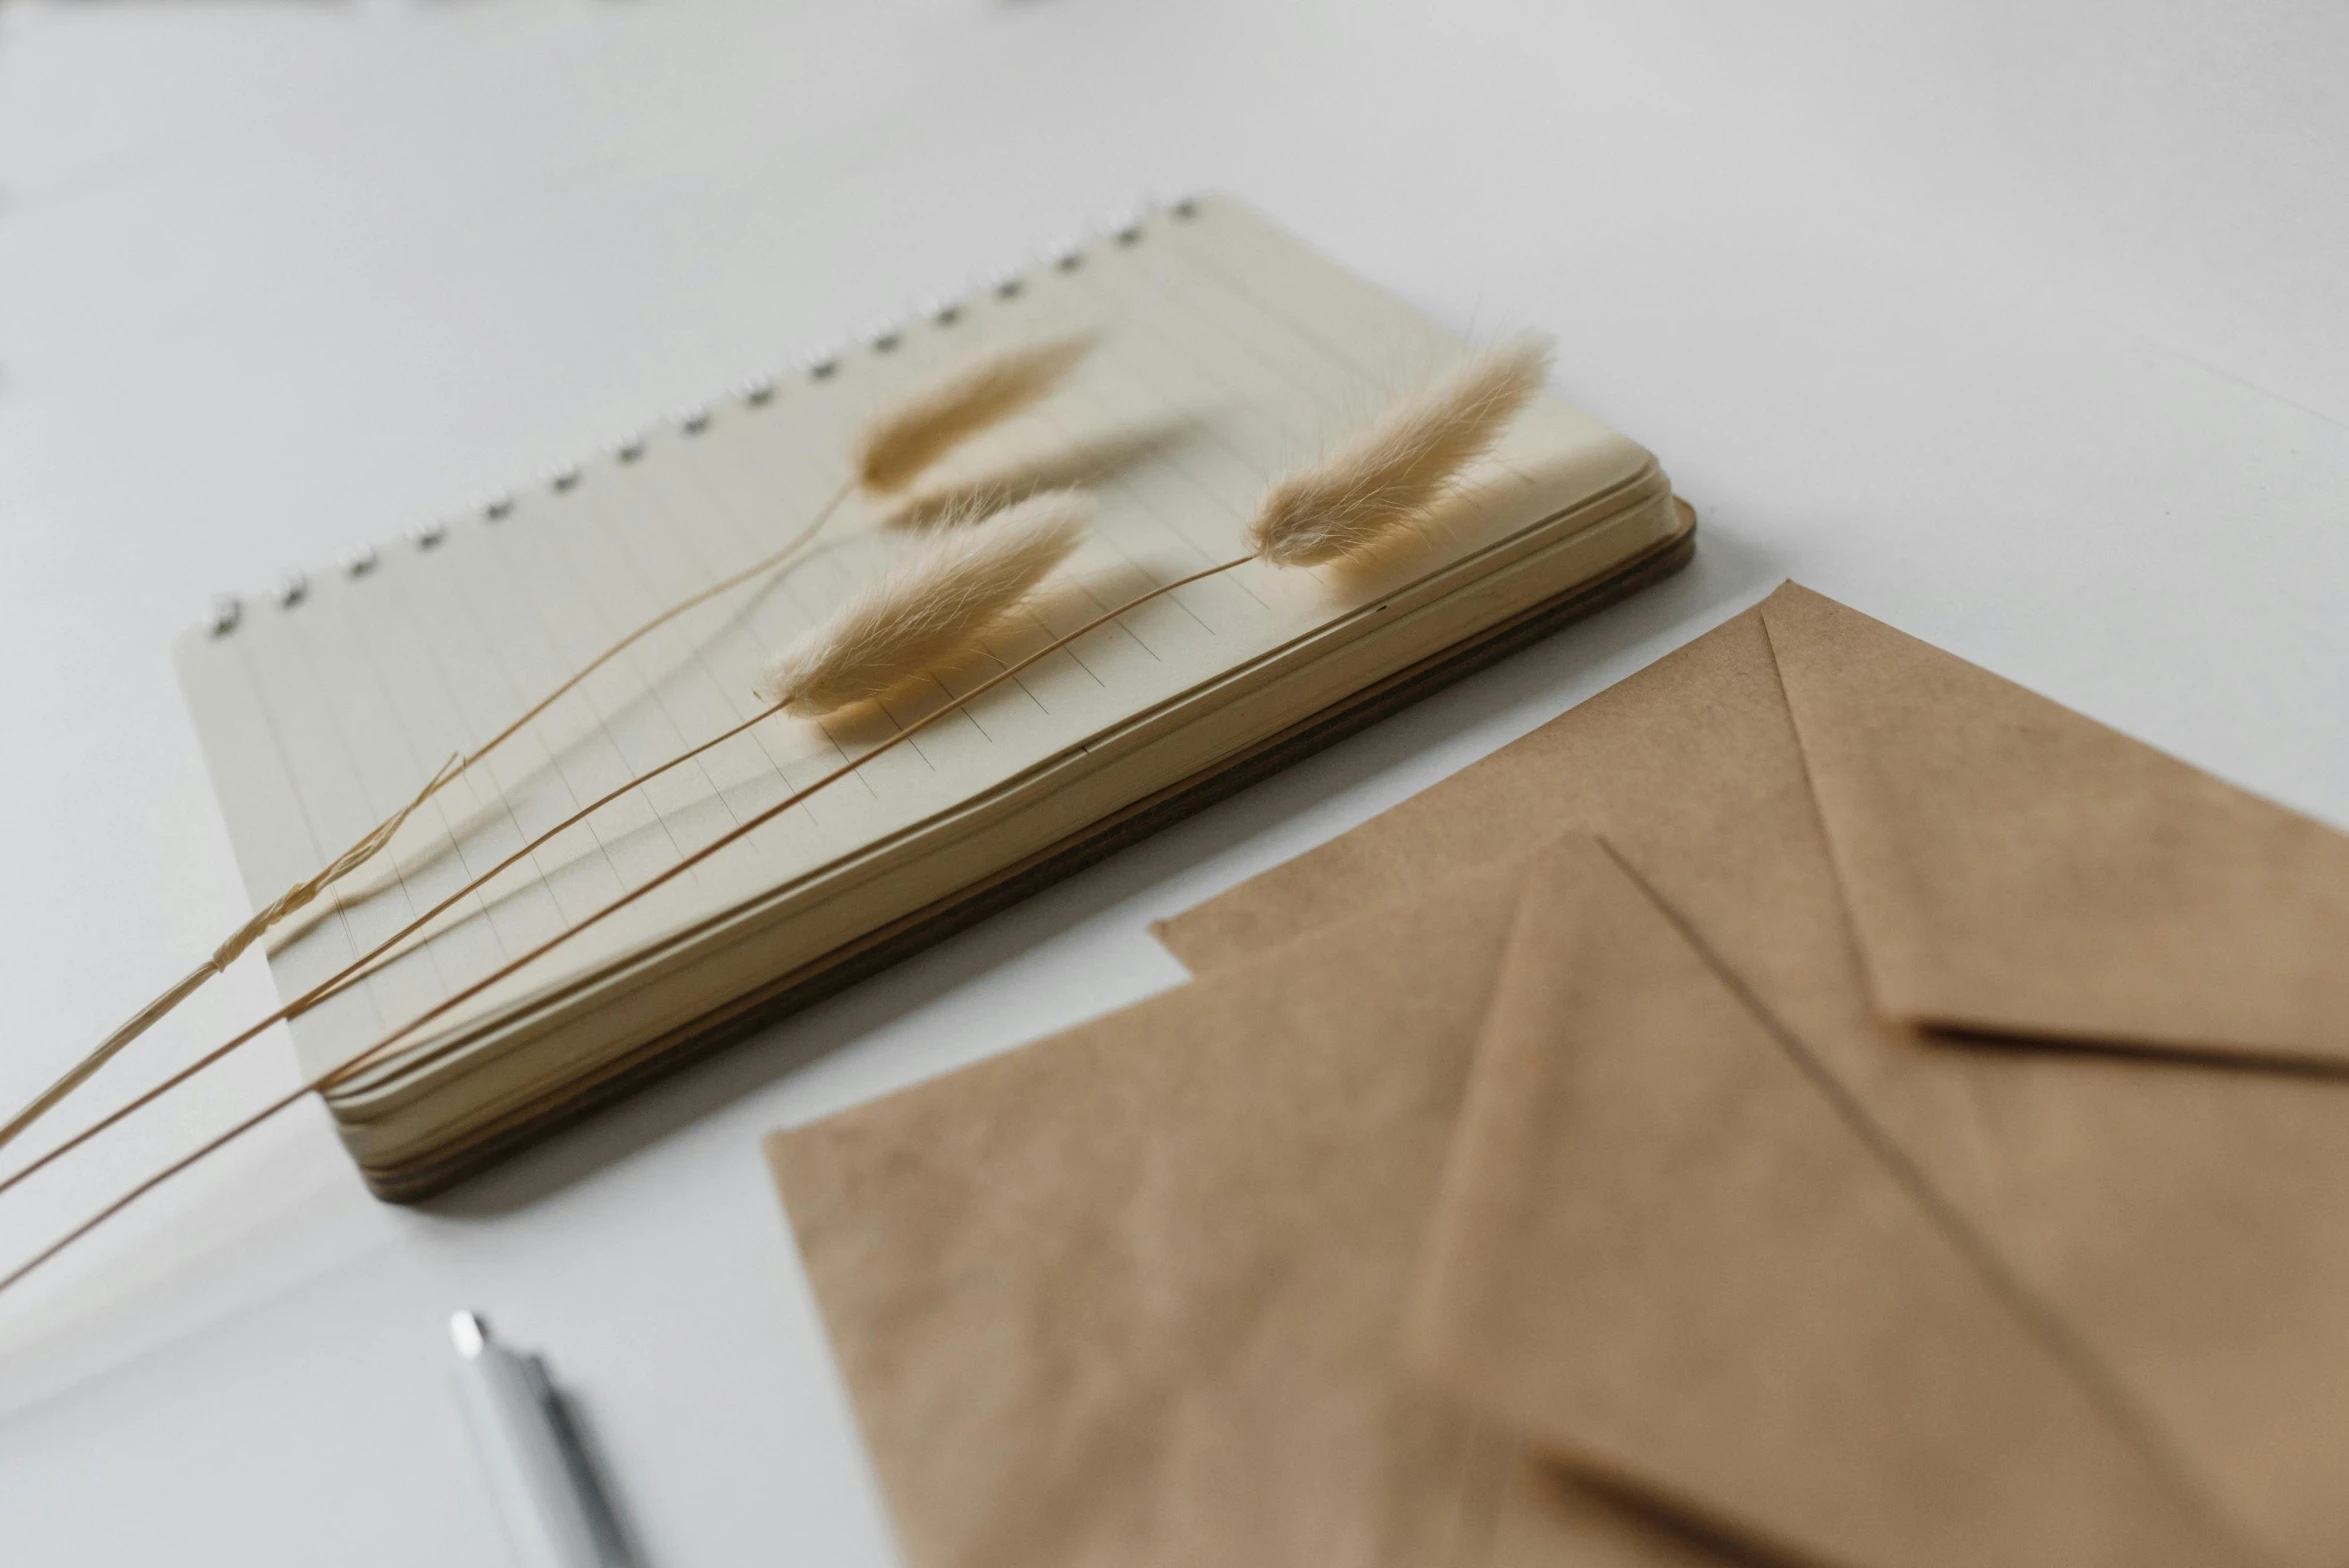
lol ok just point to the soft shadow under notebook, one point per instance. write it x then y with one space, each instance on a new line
1226 354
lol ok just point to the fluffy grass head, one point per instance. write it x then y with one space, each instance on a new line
1392 476
934 605
906 439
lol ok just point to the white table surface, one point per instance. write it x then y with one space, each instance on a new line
2022 325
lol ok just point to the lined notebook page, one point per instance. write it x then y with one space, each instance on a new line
1227 354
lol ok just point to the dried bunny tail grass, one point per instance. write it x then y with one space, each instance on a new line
899 444
399 1036
907 438
930 607
1393 475
959 509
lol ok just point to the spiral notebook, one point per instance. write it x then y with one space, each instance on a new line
1227 353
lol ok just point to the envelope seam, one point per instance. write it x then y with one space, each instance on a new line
2055 1336
2070 1348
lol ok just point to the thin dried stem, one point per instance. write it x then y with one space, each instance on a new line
380 1048
295 897
376 838
374 959
754 570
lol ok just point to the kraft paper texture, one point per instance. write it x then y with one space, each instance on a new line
1555 1169
1133 1295
1664 1251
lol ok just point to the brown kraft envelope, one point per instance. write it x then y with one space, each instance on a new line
2166 1222
1662 1253
1134 1295
2013 868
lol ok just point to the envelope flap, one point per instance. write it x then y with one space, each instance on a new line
2012 867
1663 1252
1131 1294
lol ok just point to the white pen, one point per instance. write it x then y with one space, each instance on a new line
555 1514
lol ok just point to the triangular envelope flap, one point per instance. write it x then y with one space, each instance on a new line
2013 867
1661 1253
1131 1294
1691 749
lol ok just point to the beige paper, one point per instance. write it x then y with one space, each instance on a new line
2013 867
1552 1518
2171 1226
1662 1253
1131 1295
1688 752
1134 1295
